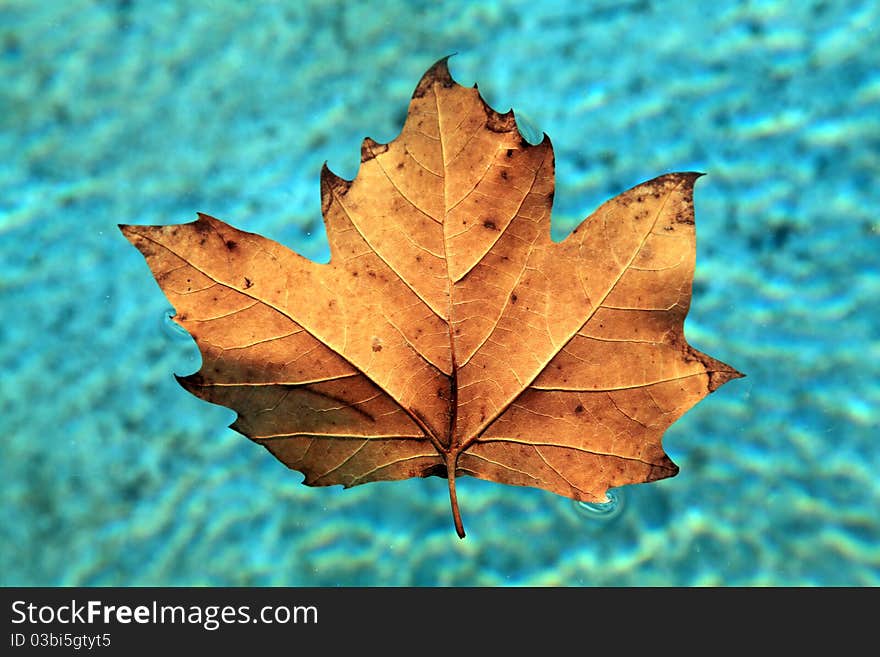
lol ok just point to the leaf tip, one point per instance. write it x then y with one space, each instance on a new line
438 73
719 377
134 234
191 383
664 469
126 230
691 176
331 184
329 177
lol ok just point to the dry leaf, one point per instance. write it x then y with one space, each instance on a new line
449 335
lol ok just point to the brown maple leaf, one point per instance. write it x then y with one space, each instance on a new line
449 335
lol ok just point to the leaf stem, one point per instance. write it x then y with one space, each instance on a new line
450 476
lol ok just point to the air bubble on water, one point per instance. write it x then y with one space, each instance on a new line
603 510
172 329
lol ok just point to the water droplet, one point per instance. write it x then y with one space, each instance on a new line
172 329
603 511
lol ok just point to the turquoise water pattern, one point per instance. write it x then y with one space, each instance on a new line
136 112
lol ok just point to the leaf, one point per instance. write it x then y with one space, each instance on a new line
449 335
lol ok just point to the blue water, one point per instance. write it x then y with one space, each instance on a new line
145 112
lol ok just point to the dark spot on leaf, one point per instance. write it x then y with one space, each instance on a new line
578 409
684 219
513 298
490 224
231 245
504 175
247 283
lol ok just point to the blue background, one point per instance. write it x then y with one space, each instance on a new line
145 112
